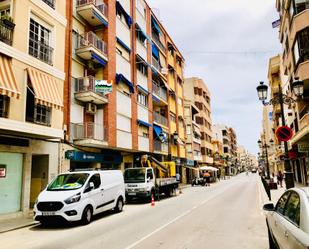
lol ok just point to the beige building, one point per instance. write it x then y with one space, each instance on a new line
31 99
293 34
196 90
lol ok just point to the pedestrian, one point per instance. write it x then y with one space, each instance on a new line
219 174
177 177
280 178
207 178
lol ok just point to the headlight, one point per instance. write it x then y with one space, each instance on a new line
142 189
72 199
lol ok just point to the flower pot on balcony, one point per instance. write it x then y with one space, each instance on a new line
8 21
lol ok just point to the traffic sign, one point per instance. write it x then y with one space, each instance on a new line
284 133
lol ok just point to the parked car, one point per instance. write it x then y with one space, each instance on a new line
77 196
288 221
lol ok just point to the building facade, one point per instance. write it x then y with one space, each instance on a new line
32 76
197 92
125 81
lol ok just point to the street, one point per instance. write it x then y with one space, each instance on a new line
227 214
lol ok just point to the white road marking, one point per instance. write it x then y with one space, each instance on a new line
177 218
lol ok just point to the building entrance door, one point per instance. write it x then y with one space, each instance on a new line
11 168
39 176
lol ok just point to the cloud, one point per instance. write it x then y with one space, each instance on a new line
228 44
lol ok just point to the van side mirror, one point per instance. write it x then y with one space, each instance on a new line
89 188
269 207
148 179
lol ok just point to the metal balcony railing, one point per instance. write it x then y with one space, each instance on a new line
85 84
159 91
88 130
6 33
41 51
160 119
102 7
156 39
159 146
90 39
50 3
156 64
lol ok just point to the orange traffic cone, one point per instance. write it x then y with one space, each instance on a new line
152 201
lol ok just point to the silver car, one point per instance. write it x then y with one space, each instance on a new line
288 221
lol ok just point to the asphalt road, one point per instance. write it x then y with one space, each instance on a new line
225 215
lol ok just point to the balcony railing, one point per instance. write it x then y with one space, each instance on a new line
88 131
41 51
159 146
6 33
90 39
85 84
156 39
159 91
50 3
102 7
160 119
156 64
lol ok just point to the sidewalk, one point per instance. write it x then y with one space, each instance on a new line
11 224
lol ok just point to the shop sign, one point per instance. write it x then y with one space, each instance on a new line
103 86
190 162
2 171
303 148
114 158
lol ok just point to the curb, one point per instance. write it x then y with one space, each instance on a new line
34 223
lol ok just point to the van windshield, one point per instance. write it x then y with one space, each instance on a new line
134 175
68 182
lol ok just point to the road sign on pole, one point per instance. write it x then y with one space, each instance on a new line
284 133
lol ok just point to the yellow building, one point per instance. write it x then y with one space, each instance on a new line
32 48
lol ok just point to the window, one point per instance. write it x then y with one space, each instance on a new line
96 180
142 68
149 174
50 3
140 6
39 42
281 203
4 106
300 5
173 117
142 99
301 47
5 12
75 37
179 101
292 209
42 114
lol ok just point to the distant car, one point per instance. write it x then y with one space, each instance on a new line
288 221
254 170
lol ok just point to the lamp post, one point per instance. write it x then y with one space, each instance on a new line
266 146
298 89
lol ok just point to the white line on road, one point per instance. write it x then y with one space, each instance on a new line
177 218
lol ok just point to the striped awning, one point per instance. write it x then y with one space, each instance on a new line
8 85
46 88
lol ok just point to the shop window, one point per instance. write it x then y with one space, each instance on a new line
4 106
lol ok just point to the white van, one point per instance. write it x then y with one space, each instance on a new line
77 196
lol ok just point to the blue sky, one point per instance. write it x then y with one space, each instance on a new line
227 44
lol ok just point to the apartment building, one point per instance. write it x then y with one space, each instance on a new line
125 87
197 92
218 155
233 152
193 140
32 78
294 36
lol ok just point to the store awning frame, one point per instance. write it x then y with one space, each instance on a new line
8 84
45 88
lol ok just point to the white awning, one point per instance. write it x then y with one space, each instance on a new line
208 168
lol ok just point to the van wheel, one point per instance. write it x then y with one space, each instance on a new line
87 216
119 205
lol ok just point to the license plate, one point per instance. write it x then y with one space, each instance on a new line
131 193
48 213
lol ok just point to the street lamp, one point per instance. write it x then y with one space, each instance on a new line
266 146
298 89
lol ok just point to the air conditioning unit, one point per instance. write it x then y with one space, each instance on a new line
91 108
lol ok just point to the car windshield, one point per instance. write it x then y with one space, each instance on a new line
68 182
134 175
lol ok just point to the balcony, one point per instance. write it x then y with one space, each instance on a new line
92 47
156 39
160 119
85 91
93 12
160 147
304 118
6 33
89 134
159 91
156 65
